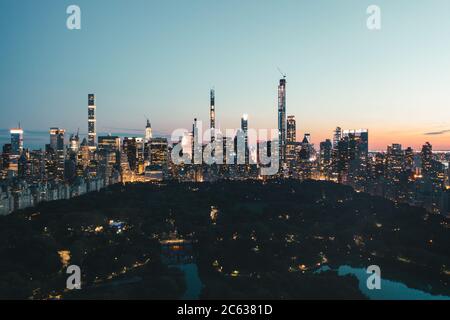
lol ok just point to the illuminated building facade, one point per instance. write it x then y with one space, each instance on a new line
159 152
140 149
16 141
148 132
109 155
282 120
6 160
325 158
129 148
74 143
159 158
212 114
92 133
351 162
291 140
196 141
56 154
244 131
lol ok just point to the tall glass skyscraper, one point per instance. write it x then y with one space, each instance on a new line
337 135
361 138
16 141
197 154
57 139
91 121
212 113
291 139
282 119
244 128
56 153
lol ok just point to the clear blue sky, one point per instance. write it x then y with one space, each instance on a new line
160 58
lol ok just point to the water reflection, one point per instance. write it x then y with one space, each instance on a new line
178 253
390 290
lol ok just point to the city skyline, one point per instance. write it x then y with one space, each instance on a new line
164 70
273 150
283 118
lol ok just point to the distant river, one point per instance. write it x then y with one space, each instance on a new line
33 140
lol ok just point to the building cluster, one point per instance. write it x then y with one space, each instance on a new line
64 170
404 175
418 177
60 171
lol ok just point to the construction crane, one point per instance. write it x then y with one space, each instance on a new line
281 72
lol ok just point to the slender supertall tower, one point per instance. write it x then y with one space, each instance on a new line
197 155
244 128
282 119
212 113
91 121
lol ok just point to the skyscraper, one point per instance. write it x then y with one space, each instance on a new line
337 135
353 149
74 143
263 150
325 154
325 157
395 162
282 119
361 138
291 128
57 139
55 154
335 155
6 156
148 131
187 141
244 128
109 143
109 155
159 154
16 141
427 157
91 121
129 148
197 154
291 139
212 114
159 157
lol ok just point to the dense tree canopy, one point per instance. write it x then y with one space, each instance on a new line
251 240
